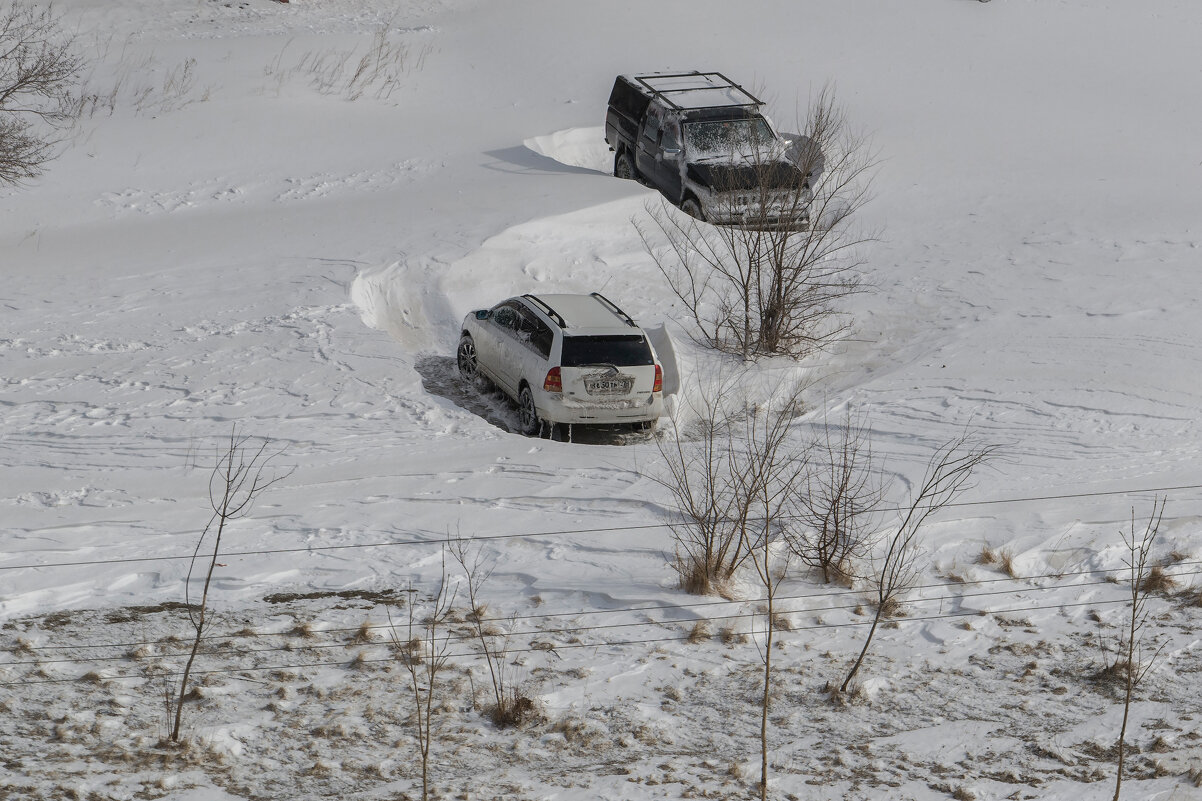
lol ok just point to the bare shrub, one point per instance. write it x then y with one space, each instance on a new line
713 478
510 707
894 572
772 284
837 513
39 89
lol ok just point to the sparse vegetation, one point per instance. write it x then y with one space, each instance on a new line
376 71
947 475
423 650
239 477
835 526
1133 664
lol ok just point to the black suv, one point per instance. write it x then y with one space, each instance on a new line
704 143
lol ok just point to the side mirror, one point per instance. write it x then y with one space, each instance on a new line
483 314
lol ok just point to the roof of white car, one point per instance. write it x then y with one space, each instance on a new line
584 312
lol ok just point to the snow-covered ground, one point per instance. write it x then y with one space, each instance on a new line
241 241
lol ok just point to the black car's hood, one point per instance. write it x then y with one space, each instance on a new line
726 177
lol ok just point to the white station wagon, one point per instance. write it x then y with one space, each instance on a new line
567 359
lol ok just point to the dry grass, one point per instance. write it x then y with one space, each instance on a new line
364 634
303 629
987 556
700 632
514 711
893 608
1158 581
729 636
1006 563
694 578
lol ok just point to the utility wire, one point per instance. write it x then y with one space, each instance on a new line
631 609
445 540
572 646
471 636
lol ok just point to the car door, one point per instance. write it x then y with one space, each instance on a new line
495 350
661 170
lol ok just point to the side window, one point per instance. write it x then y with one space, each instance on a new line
535 333
506 317
671 135
651 127
542 338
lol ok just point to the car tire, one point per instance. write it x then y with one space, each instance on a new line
465 359
624 167
528 422
691 207
469 366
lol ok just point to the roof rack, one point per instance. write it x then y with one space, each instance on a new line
542 304
613 307
737 97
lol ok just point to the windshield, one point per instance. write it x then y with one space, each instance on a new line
727 137
620 350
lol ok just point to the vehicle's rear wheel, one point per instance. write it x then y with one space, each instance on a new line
691 207
528 422
624 166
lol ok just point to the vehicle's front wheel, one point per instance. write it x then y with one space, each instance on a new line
465 357
691 207
469 367
624 167
528 422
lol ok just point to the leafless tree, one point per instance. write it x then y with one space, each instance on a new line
1132 665
708 467
837 514
947 475
771 285
239 477
39 88
424 652
769 477
711 527
509 707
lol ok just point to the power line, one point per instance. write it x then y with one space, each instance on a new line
631 609
573 646
574 630
445 540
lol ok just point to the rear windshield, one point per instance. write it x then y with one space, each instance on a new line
620 350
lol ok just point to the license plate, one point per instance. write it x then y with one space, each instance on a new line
619 385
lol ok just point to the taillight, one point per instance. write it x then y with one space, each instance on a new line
658 386
553 382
